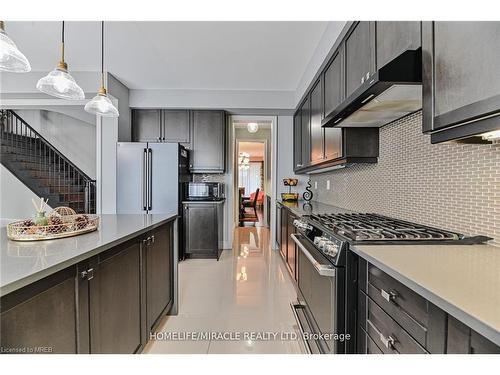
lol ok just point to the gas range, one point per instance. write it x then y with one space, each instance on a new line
331 233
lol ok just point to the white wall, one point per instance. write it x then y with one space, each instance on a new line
121 93
15 197
74 138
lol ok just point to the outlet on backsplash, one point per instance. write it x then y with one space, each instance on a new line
327 184
315 185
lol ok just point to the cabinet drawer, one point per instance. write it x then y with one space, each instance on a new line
387 334
365 344
405 306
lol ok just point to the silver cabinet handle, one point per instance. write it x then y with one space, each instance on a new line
322 269
389 296
144 179
388 341
150 187
88 274
152 239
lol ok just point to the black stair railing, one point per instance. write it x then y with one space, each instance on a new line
44 169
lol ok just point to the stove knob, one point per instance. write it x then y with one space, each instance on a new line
331 248
296 223
322 242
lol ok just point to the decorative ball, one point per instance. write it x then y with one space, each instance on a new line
63 211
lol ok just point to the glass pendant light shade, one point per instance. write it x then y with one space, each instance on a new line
252 127
61 84
11 59
101 105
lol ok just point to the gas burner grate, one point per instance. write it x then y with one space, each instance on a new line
373 227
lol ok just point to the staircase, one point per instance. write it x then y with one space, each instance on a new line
42 168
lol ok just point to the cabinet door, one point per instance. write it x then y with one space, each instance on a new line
208 132
359 55
291 252
395 37
176 126
333 95
41 318
115 300
333 83
463 76
305 124
159 263
200 228
146 125
297 140
317 132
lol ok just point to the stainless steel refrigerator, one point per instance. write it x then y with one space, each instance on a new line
150 178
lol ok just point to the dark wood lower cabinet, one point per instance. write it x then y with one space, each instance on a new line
115 300
105 304
159 282
40 318
394 319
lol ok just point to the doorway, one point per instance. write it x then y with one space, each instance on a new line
252 189
253 175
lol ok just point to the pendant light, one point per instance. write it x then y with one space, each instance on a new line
252 127
100 104
11 59
59 82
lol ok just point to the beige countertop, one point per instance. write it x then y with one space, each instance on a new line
463 280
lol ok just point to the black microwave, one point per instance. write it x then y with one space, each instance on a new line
210 191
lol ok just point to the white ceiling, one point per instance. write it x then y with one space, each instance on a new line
179 55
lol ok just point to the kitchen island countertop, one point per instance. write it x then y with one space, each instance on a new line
22 263
463 280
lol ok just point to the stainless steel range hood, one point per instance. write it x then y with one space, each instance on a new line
394 91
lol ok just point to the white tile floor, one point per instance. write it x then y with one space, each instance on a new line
248 290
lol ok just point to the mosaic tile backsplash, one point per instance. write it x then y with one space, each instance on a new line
450 186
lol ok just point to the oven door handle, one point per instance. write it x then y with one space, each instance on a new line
323 269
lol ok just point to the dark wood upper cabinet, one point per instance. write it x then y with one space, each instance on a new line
175 126
316 131
359 55
459 60
305 125
146 125
115 300
208 131
297 140
333 88
333 79
395 37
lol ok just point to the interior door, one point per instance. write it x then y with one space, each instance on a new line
163 177
131 177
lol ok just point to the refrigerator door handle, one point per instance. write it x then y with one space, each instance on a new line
150 162
144 179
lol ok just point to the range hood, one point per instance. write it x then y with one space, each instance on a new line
394 91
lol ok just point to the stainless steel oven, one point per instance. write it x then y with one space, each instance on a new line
319 309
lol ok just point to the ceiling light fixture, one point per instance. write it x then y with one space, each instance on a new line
59 82
11 59
100 104
252 127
